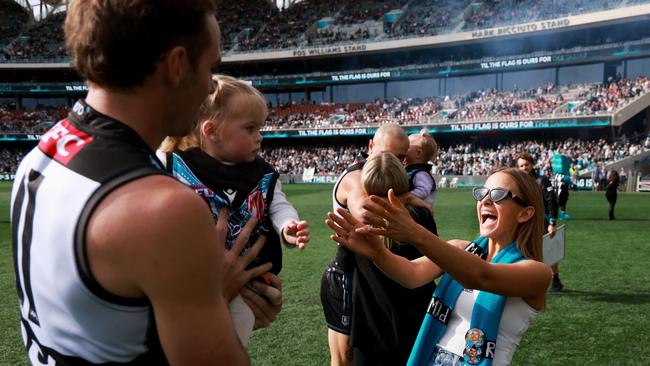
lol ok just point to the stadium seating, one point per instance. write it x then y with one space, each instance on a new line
547 100
13 18
235 27
42 42
460 159
24 121
314 22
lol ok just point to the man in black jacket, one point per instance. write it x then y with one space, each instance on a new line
525 162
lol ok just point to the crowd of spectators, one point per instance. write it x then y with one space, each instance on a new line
41 42
516 103
332 35
544 101
360 11
472 159
326 160
547 100
266 27
427 18
13 18
494 13
235 27
460 159
612 96
9 160
406 111
287 28
29 121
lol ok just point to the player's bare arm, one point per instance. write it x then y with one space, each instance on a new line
168 251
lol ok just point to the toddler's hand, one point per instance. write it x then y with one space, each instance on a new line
296 233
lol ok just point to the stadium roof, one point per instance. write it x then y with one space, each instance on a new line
283 4
42 8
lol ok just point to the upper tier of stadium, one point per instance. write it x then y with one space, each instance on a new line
311 24
547 102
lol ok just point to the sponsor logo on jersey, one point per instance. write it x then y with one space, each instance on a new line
231 194
203 191
63 141
255 203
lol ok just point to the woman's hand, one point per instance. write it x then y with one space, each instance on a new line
344 225
388 218
235 274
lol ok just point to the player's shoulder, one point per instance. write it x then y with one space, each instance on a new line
154 201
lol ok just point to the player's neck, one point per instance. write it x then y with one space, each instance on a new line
133 108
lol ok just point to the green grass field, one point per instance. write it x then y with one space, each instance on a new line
601 318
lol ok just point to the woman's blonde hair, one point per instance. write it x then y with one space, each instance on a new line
528 234
381 172
231 98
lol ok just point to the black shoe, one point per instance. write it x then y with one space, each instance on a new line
556 286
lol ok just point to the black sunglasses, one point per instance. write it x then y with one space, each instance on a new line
497 195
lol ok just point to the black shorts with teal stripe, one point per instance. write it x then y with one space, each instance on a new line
336 297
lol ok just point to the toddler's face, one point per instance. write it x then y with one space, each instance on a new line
241 139
412 155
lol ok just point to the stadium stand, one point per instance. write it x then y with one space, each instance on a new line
459 159
9 160
235 28
13 18
287 28
491 13
34 121
427 18
42 42
546 100
317 22
480 105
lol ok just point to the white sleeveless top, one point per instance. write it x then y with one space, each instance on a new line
517 316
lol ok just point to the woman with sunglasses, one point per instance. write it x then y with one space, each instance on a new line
491 288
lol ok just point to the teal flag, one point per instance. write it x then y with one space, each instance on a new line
561 164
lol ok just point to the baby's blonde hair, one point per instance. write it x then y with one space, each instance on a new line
221 106
427 143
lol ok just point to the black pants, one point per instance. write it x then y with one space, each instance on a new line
611 198
361 357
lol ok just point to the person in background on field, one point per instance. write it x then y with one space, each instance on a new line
561 184
623 178
611 193
602 174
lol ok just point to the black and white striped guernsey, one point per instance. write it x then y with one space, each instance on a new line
67 318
